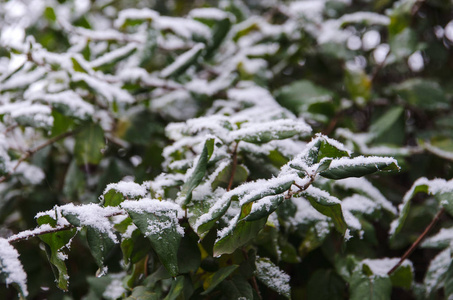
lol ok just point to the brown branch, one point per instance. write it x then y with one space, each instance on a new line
233 168
253 279
418 241
301 188
32 151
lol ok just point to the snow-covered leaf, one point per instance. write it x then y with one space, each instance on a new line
271 276
11 269
359 166
158 221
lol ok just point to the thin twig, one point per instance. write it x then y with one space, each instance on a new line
233 168
418 241
254 283
301 188
32 151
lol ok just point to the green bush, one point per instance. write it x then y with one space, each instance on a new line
231 150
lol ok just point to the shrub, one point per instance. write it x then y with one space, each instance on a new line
240 150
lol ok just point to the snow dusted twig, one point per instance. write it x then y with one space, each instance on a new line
233 168
301 188
25 235
418 241
32 151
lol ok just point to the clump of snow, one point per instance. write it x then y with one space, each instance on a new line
127 188
115 288
11 266
381 266
32 174
210 13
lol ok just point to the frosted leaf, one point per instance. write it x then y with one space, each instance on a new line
116 54
272 276
12 267
381 266
109 91
158 208
75 105
442 239
182 60
94 216
437 269
209 13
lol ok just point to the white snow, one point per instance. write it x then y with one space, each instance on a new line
11 267
159 208
181 60
363 186
127 188
381 266
442 239
209 13
95 216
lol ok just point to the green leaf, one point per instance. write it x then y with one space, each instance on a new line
247 193
89 144
49 13
100 245
242 232
327 205
437 272
74 182
134 247
440 188
264 207
312 240
271 276
422 93
385 123
77 66
113 198
223 178
359 166
55 242
325 285
303 96
358 84
197 174
369 287
449 282
402 277
236 288
215 279
158 222
176 289
142 293
220 31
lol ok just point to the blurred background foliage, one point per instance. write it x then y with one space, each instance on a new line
376 75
